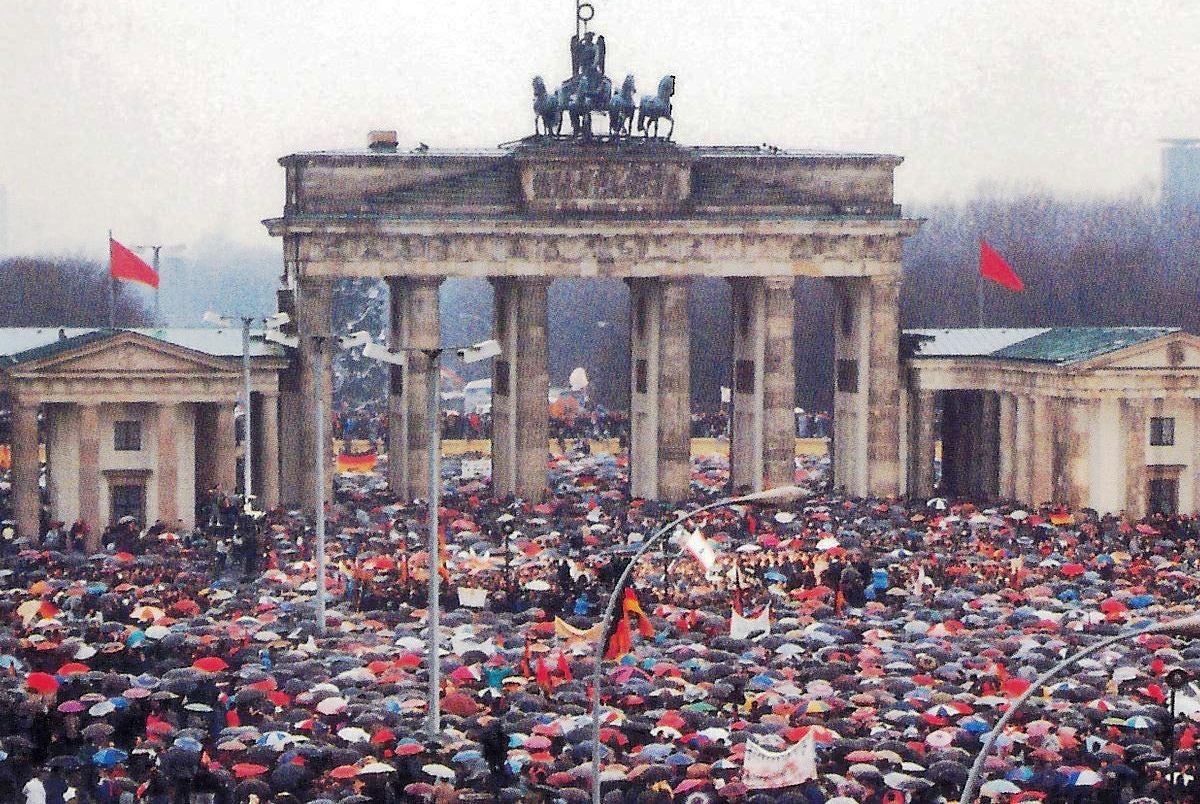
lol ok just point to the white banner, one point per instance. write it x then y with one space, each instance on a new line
475 467
475 598
743 627
770 770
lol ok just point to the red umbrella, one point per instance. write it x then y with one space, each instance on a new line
344 772
457 703
41 683
211 664
246 770
1071 570
73 668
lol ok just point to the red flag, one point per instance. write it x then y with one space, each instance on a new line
564 668
124 264
525 669
543 675
621 641
632 606
992 266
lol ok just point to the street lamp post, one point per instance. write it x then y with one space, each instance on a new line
399 357
971 788
783 494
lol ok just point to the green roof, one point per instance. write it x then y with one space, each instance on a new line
1063 345
1055 345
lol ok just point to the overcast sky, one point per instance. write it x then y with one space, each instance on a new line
163 120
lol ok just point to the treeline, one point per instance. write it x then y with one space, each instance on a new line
54 292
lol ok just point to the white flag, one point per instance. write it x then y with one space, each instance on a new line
742 627
699 547
472 597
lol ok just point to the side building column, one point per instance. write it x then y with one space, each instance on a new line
660 389
314 324
521 388
923 411
1041 453
415 324
224 442
26 468
166 473
89 473
1022 456
1135 431
764 393
268 489
1008 441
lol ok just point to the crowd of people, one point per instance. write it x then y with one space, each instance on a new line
891 635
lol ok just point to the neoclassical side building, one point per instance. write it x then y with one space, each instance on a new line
133 422
1100 417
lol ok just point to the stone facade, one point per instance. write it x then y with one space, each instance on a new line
134 419
1114 430
652 213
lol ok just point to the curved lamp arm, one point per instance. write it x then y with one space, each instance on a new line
783 494
971 788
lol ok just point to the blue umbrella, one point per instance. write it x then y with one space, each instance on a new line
108 757
1140 601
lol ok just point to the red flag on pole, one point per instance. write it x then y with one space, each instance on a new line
992 266
124 264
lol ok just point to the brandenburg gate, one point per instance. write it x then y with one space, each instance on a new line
627 203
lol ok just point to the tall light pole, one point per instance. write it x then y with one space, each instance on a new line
783 494
971 788
269 322
399 357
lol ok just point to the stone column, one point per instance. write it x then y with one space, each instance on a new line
415 323
986 437
26 467
660 393
923 411
520 388
1041 451
764 393
1195 467
1008 457
1136 433
1077 466
953 458
779 383
883 378
268 490
291 409
167 471
313 314
851 352
224 445
1023 450
89 472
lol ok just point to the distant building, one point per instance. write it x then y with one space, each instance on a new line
1098 417
1181 173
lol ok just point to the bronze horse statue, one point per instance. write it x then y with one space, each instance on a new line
654 108
621 109
547 108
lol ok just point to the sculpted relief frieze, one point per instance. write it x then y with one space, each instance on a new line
604 186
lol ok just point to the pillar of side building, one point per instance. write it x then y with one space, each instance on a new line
26 468
1041 453
415 324
1134 430
224 444
1023 449
268 456
922 413
1006 467
166 473
520 388
764 388
314 324
985 446
89 473
1077 454
867 385
660 389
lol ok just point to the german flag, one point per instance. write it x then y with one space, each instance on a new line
356 464
630 605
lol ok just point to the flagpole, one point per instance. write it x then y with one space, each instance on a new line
112 288
979 298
